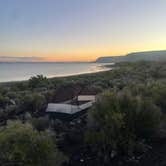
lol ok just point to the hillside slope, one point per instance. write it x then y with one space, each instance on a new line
136 56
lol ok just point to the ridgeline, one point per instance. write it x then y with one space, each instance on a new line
135 56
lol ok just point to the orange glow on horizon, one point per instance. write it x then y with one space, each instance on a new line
62 57
88 54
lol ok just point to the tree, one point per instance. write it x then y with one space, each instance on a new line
22 146
38 81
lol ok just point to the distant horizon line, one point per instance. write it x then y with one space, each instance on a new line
48 61
35 59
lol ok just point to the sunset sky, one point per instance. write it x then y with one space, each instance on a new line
79 30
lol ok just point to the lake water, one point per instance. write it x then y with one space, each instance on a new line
23 71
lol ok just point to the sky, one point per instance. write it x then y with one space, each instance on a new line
79 30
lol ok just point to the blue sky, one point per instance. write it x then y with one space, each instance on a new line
63 30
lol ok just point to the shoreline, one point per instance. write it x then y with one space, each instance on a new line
105 68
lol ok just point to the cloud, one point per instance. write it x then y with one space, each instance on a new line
20 59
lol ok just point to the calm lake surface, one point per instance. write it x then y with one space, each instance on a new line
23 71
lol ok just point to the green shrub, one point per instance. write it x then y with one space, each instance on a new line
4 101
40 124
119 122
33 102
21 145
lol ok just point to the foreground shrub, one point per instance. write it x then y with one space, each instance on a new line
156 91
120 122
33 103
22 146
4 101
40 124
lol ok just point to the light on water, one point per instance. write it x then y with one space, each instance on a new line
23 71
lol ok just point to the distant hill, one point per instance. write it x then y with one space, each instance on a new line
136 56
110 59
